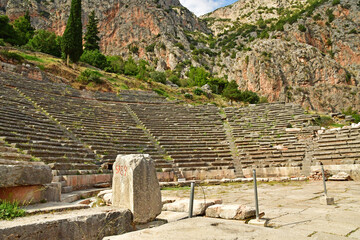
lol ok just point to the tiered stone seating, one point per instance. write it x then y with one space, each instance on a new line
32 131
106 128
194 137
133 96
261 137
10 155
341 146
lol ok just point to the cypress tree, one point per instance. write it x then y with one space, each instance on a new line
91 36
72 38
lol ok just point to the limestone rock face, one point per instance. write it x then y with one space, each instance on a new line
122 23
24 175
136 187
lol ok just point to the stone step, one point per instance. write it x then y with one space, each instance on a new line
15 156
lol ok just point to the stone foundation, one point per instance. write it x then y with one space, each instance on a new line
78 182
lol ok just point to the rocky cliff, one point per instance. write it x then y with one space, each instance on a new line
124 25
303 51
306 52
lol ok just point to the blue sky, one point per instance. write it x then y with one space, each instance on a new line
200 7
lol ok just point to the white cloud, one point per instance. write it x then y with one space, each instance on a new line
200 7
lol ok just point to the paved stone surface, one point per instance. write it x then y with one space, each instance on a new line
292 207
136 187
209 229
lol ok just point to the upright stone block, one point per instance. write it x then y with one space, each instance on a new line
136 187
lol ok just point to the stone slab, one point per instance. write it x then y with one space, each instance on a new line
172 216
235 212
90 224
24 175
182 205
258 222
136 187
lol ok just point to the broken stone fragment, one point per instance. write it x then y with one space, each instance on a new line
199 206
236 212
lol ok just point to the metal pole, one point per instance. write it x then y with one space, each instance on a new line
191 200
323 176
256 195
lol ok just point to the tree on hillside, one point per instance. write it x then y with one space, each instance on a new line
91 36
232 91
46 42
7 31
72 39
23 28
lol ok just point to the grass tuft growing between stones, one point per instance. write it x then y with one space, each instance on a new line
9 211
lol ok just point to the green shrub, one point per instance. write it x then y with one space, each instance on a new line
2 42
353 31
188 96
335 2
350 112
329 13
131 67
317 17
116 64
9 211
217 85
264 34
198 91
89 76
174 79
150 48
23 29
161 92
263 100
249 97
94 58
158 77
180 45
232 91
46 42
134 49
11 56
143 73
324 121
198 76
302 28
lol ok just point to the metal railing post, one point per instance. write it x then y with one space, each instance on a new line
256 195
191 204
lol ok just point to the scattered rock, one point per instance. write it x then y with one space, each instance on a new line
182 205
236 212
341 176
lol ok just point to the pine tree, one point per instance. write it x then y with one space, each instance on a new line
72 38
91 36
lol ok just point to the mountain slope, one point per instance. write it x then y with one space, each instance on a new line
123 24
303 51
309 56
